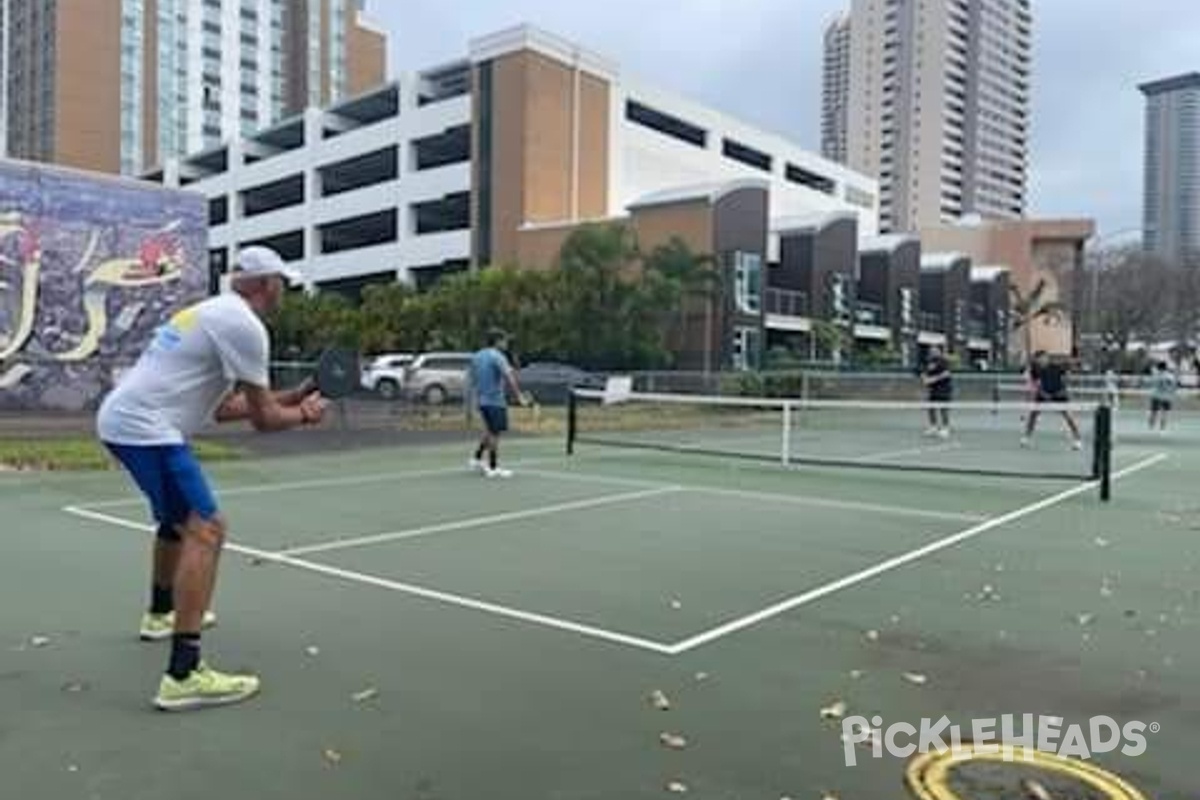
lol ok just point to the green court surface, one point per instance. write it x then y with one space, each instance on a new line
426 634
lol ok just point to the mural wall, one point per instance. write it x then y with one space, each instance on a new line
89 266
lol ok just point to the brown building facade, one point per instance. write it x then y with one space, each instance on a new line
124 85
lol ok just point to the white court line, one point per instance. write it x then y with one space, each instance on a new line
771 497
318 483
462 601
898 561
478 522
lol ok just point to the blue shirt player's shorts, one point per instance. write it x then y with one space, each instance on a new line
172 481
495 419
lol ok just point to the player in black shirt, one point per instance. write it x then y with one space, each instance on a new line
939 388
1050 381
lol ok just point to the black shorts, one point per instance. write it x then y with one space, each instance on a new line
495 419
941 395
1157 404
1053 397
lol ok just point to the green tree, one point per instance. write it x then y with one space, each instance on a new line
307 324
613 307
698 282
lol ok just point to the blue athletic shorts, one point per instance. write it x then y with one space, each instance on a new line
495 418
172 481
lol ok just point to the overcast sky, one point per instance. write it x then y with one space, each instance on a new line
761 60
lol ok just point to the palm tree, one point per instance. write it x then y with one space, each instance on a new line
697 278
1025 309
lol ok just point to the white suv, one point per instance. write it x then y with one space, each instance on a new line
437 377
385 374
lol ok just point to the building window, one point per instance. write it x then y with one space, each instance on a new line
665 124
810 179
747 155
747 347
747 282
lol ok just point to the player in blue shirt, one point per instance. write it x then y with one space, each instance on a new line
491 377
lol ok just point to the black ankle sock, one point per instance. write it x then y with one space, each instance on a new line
185 655
492 458
162 599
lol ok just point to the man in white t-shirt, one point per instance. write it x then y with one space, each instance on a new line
209 363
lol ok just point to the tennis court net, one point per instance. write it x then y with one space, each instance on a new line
983 438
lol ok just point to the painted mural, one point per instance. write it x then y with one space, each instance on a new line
89 267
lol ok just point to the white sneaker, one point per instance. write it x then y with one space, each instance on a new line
1076 444
475 465
944 433
931 432
1025 441
499 472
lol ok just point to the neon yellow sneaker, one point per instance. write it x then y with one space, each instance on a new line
156 627
203 688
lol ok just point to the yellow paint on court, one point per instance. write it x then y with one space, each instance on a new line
928 775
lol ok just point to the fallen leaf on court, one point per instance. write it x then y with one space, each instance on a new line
1100 541
75 687
701 676
677 787
1106 591
895 619
988 588
829 796
1086 619
1130 613
39 641
313 650
835 711
256 561
1151 632
72 768
1035 791
365 695
672 740
916 678
332 756
1162 619
855 674
659 700
999 568
675 604
873 635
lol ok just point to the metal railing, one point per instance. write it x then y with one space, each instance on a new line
869 313
787 302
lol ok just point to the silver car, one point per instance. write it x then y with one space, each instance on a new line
435 378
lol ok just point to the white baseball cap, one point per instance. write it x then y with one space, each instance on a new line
259 260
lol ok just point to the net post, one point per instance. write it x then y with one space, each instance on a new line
785 455
1103 451
572 406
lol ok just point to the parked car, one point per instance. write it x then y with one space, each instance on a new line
551 382
435 378
385 373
